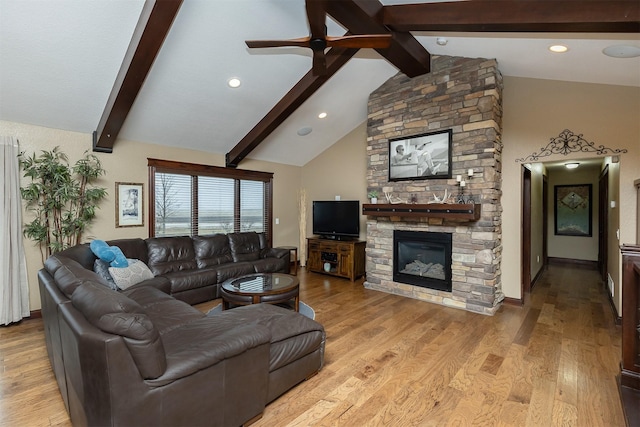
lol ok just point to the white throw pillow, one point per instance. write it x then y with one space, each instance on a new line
136 272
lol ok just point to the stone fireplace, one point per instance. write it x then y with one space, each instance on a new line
464 95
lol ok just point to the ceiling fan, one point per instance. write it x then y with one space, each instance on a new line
318 40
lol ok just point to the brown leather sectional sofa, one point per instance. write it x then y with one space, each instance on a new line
144 356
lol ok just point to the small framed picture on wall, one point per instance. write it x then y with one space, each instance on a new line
129 204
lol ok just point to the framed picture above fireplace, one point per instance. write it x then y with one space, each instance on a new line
424 156
572 210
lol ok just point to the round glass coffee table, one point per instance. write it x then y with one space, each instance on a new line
272 288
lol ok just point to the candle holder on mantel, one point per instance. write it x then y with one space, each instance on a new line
462 199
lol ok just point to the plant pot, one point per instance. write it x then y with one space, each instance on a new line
374 200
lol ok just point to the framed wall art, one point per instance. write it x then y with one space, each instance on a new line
573 210
424 156
129 204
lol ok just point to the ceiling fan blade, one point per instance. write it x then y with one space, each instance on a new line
317 18
301 42
319 63
378 41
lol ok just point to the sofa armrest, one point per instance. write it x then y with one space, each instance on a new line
274 253
158 282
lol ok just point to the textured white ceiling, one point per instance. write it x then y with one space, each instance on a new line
59 59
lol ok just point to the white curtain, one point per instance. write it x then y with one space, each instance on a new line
14 296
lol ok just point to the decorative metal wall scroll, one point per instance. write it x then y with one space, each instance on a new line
568 142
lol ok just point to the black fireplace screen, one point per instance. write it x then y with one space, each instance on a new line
422 258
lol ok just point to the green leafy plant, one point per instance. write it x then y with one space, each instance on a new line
62 198
373 194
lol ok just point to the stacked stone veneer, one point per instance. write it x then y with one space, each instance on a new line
464 95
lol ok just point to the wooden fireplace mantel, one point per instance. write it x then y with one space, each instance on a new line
467 212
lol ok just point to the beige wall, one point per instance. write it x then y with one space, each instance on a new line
340 170
614 266
536 260
536 111
128 163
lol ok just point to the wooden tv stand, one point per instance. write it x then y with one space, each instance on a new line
344 258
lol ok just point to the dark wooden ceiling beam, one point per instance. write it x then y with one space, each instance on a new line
592 16
359 17
154 24
365 17
307 86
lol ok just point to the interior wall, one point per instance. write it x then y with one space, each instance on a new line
128 163
339 171
536 111
573 247
614 267
537 175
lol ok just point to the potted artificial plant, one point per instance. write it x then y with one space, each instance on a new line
373 195
62 198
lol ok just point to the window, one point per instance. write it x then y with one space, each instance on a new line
190 199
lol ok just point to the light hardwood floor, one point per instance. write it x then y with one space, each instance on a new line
393 361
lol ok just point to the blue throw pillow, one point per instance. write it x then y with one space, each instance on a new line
110 254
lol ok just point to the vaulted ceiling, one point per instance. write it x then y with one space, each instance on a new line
63 61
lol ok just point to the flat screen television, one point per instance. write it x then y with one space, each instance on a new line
336 219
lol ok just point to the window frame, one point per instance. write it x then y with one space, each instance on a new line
194 171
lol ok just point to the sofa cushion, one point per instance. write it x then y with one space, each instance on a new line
262 238
132 248
233 270
54 262
191 279
293 335
79 253
244 246
136 272
206 342
166 312
269 265
170 254
115 313
212 250
71 274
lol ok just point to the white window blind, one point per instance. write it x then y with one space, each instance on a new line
215 205
252 217
173 202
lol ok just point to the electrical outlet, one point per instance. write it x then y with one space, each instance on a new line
277 221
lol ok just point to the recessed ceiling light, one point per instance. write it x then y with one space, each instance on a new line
558 48
622 51
322 115
441 41
571 165
234 82
304 131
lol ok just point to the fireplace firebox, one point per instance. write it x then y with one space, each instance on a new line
422 258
